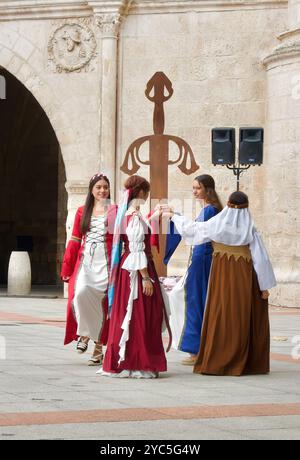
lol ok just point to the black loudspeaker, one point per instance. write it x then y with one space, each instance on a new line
223 146
251 146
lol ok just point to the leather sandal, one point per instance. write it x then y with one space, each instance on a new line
82 344
190 361
97 357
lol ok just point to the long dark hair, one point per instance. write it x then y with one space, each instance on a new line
211 195
89 202
135 184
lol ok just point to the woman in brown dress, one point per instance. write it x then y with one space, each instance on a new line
235 336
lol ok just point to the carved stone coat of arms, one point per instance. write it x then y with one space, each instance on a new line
71 47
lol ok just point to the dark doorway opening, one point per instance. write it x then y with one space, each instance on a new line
33 199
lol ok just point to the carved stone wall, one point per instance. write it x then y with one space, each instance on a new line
87 64
213 53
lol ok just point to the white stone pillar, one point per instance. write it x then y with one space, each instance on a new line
109 25
108 16
282 161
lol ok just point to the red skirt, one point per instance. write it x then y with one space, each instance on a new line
144 348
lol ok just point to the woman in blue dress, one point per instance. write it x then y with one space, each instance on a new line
188 297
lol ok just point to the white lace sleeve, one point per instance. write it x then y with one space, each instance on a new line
137 259
261 263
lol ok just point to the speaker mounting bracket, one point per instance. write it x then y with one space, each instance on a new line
238 171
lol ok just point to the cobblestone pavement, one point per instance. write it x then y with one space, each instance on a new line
49 392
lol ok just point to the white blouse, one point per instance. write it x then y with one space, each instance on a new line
137 259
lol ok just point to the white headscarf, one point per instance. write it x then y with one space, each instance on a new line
232 226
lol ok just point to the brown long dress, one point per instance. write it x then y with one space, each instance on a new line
235 336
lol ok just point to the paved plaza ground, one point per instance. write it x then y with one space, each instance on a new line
49 392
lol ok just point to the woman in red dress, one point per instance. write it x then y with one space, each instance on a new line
86 269
135 347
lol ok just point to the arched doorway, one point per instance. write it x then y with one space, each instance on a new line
33 200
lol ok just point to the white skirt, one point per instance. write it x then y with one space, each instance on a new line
177 304
90 290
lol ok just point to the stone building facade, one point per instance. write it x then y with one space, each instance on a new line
74 75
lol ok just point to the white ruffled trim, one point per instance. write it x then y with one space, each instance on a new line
137 246
135 261
126 374
126 322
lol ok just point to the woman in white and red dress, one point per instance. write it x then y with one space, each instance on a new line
86 268
135 347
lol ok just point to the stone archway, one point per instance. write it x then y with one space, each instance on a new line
32 177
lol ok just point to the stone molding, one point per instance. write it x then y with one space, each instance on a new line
12 10
290 35
287 51
49 9
173 6
111 6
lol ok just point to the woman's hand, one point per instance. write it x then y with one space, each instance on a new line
147 286
66 279
168 212
265 294
158 210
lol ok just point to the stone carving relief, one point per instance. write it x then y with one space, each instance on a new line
71 48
